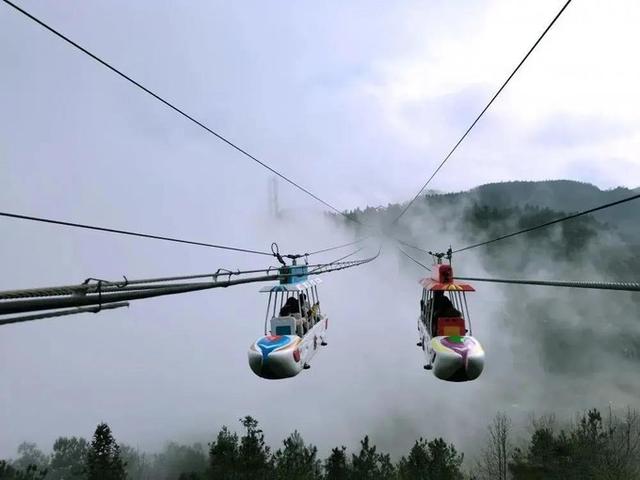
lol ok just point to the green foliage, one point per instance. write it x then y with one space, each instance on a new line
337 466
103 456
593 447
296 461
589 449
136 463
255 454
434 460
30 455
370 465
68 461
176 459
224 456
30 472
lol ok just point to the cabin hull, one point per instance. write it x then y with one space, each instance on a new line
457 359
284 356
452 358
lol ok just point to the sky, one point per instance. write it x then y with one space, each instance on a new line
357 101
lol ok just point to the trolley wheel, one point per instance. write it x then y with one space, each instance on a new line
428 367
324 344
306 366
419 344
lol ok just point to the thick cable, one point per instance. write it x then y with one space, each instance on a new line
552 222
174 108
622 286
142 284
455 147
106 296
61 313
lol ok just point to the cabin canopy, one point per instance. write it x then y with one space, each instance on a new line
442 280
292 287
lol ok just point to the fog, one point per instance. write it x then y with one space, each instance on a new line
310 90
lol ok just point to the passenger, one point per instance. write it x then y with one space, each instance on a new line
442 308
306 308
313 313
290 307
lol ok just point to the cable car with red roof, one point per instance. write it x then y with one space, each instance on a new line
444 326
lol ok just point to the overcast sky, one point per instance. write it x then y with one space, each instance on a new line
358 101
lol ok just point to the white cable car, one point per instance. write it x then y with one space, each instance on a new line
449 347
294 329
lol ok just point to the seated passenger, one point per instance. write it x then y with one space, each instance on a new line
305 305
442 308
290 307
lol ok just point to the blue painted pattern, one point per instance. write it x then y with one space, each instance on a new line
270 343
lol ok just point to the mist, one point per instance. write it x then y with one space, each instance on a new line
358 104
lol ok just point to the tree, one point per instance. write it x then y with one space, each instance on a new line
29 454
444 462
137 465
494 462
224 456
296 461
177 459
623 459
254 454
31 472
336 466
415 465
589 449
68 461
370 465
434 460
103 457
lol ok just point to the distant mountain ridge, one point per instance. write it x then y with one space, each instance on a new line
559 195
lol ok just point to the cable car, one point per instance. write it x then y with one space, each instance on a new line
294 329
444 327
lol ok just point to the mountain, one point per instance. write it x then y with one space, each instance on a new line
559 195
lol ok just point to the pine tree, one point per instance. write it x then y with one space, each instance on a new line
414 467
296 461
336 466
224 456
103 457
370 465
254 454
444 462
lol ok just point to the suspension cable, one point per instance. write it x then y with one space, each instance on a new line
175 108
412 246
130 233
404 210
414 260
161 237
337 247
552 222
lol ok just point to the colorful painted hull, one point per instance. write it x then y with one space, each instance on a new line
457 359
276 356
284 356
